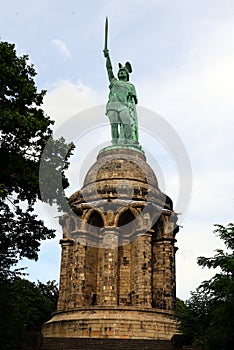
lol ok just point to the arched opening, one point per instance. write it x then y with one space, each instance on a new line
95 219
126 218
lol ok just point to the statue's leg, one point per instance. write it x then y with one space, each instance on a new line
113 116
126 121
114 133
121 139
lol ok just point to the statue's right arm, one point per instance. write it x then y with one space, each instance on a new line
108 65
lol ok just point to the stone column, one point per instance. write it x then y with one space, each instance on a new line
64 299
109 266
163 265
78 272
141 290
124 273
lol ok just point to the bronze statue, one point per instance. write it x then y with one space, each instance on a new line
121 104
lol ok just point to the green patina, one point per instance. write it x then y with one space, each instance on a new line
121 105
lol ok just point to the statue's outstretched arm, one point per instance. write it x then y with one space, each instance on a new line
108 64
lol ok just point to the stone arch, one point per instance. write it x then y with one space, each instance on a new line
128 216
95 218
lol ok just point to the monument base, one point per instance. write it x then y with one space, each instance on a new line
111 322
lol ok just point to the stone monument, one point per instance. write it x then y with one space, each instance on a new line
117 276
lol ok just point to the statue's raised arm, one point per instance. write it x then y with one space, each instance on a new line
106 54
108 64
122 100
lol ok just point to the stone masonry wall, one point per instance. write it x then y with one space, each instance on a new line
141 290
163 267
138 273
90 276
124 274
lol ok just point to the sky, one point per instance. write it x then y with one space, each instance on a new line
182 53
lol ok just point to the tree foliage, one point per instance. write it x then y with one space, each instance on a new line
24 307
24 132
207 318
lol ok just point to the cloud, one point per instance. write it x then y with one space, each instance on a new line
197 99
66 98
61 47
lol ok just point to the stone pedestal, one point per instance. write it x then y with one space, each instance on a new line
107 322
118 254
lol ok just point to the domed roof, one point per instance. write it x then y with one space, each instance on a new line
120 174
121 164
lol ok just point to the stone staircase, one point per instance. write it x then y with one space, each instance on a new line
104 344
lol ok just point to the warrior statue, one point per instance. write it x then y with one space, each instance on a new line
120 108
